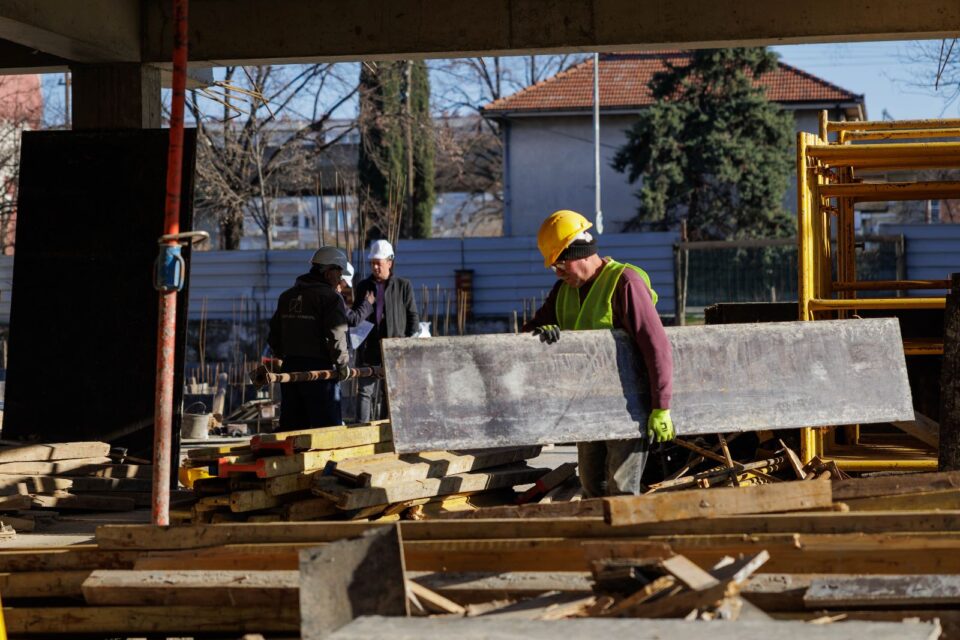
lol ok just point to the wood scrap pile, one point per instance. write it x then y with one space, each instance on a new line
37 481
348 472
759 558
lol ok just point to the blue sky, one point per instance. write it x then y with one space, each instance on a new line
885 72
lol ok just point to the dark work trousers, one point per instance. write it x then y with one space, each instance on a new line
612 467
368 392
307 405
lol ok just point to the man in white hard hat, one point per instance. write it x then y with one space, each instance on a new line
395 316
364 308
309 331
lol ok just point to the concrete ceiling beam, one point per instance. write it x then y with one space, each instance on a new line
277 31
87 31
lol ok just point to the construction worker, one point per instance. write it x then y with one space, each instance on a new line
601 293
395 316
364 309
309 332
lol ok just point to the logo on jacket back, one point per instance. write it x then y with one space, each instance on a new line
296 305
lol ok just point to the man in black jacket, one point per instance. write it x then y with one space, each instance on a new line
394 316
309 331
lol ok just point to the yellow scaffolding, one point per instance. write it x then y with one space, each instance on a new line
828 187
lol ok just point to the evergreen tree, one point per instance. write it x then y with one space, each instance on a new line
712 149
385 115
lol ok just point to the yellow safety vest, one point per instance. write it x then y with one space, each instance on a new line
597 310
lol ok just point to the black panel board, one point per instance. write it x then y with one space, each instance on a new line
83 319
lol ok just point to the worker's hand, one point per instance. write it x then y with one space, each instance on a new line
548 333
371 298
660 426
343 371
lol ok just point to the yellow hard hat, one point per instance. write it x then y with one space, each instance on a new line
558 231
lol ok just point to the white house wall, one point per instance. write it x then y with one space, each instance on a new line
550 166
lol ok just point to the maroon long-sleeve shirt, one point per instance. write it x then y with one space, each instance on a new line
633 311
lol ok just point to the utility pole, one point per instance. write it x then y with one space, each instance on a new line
408 134
598 213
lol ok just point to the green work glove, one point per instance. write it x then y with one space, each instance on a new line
660 426
548 333
343 371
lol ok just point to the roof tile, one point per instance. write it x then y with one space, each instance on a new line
624 80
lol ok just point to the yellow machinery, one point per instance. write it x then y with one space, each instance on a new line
830 181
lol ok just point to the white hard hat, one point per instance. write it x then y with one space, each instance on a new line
380 250
330 256
347 275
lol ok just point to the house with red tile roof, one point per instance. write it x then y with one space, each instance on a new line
547 133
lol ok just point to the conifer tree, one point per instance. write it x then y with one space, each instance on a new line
712 149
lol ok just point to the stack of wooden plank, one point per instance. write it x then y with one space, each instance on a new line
655 556
345 472
39 480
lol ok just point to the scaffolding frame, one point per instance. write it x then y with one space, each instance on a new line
828 187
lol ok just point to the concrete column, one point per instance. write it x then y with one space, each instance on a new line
116 96
950 381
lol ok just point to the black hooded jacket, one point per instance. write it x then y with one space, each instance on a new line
310 321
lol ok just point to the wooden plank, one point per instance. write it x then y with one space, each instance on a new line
922 428
468 588
15 503
786 496
548 482
356 498
54 451
142 536
310 509
432 600
854 488
11 485
77 466
505 389
167 588
292 483
324 438
688 573
187 620
485 627
42 584
350 578
64 559
592 508
273 466
882 591
429 464
82 502
949 499
217 451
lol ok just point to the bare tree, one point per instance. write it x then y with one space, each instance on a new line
461 89
941 60
271 125
21 109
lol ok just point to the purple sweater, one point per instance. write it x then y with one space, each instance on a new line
633 311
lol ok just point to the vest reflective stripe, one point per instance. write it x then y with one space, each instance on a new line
597 310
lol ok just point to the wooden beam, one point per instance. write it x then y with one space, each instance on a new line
53 451
79 466
290 442
855 488
883 591
187 620
382 471
149 537
787 496
185 588
273 466
928 500
42 584
356 498
74 558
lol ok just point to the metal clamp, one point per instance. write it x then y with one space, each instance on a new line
170 268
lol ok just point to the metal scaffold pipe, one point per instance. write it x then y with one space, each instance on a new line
169 258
